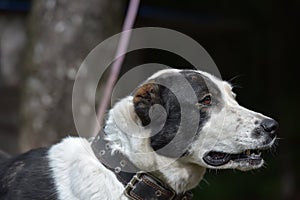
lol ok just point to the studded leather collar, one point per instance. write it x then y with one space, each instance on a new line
138 185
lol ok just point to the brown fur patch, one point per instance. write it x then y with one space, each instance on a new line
146 96
143 91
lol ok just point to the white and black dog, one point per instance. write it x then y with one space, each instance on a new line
227 135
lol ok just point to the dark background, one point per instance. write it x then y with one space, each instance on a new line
257 41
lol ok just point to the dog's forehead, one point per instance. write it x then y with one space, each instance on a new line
201 82
163 73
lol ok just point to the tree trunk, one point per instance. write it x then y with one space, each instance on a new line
61 34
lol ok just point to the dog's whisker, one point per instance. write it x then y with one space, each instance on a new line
235 77
265 165
205 181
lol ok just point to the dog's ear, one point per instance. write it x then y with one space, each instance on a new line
144 97
165 124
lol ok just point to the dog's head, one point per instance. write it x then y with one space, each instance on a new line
206 127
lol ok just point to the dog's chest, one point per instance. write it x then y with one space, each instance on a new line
79 175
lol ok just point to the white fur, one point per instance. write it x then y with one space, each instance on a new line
79 175
164 71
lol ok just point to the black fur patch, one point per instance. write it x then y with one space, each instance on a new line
158 94
3 155
27 177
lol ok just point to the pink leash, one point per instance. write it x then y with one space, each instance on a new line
121 49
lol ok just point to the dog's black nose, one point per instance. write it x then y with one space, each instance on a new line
270 126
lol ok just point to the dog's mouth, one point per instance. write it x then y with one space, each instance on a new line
215 158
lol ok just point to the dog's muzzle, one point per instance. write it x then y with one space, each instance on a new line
252 157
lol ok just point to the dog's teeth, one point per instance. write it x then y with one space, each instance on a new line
259 153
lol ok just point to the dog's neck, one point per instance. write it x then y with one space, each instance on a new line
127 135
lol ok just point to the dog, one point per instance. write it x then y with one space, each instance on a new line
170 129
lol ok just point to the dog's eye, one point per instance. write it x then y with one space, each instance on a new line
206 100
